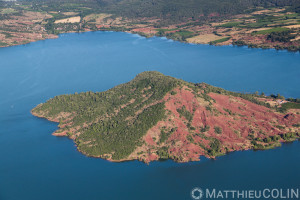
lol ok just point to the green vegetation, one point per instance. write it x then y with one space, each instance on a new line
239 43
3 44
289 105
164 135
280 127
7 11
256 25
282 36
185 113
163 153
218 130
219 41
272 30
190 138
112 124
228 111
230 24
174 19
290 136
293 100
174 11
169 11
249 97
185 34
205 129
215 147
181 35
173 93
259 146
273 141
296 125
113 130
292 104
278 96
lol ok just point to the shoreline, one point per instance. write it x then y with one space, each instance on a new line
147 37
216 29
73 134
275 146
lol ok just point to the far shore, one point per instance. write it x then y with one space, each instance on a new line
135 33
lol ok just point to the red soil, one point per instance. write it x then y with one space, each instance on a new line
64 133
237 117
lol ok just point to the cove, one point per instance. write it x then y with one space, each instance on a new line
37 165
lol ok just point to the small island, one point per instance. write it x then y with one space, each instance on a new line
157 117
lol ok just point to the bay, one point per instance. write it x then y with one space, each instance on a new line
36 165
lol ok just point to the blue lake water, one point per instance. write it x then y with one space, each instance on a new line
36 165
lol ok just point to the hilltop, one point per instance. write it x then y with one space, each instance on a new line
157 117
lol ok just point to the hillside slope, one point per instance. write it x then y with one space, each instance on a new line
159 117
253 23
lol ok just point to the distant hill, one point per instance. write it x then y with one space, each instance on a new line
184 9
160 117
253 23
172 10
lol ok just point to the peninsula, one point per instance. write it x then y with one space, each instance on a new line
157 117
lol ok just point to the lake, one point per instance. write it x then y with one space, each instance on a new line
36 165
